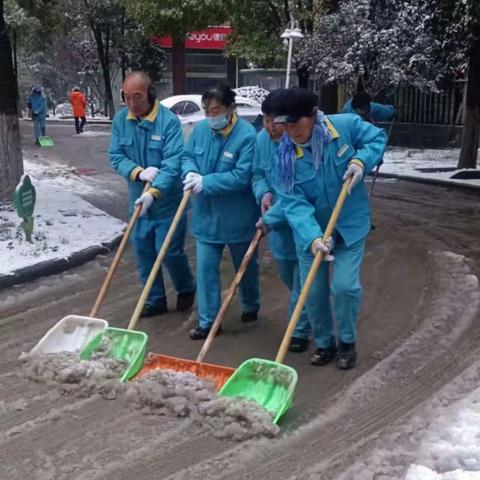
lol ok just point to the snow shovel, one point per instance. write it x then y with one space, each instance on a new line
272 384
217 374
73 332
128 344
377 169
46 141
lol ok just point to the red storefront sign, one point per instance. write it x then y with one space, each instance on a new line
213 38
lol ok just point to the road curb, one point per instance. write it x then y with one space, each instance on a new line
60 121
58 265
429 181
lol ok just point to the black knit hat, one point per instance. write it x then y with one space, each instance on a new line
361 100
271 100
292 104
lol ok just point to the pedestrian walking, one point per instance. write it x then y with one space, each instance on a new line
37 106
79 105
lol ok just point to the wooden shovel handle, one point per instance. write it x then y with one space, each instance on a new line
116 260
282 351
159 260
230 294
377 169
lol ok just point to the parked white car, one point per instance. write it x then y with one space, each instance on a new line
185 105
64 110
189 110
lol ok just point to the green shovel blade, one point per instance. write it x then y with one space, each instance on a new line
46 142
268 383
126 345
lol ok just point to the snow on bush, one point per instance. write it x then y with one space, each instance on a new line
253 93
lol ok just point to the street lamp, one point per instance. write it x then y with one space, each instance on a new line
291 34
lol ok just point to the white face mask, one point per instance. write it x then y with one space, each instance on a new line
219 122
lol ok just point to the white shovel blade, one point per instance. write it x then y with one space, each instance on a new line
70 334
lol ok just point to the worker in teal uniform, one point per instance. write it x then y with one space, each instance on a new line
217 166
280 238
147 146
314 158
361 104
37 107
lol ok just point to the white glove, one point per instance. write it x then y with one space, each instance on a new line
356 172
266 202
262 225
319 245
193 181
145 201
149 174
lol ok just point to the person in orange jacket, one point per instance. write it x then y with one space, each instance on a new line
79 104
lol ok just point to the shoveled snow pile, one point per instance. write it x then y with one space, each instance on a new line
167 393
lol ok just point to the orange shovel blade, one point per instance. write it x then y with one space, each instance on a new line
216 374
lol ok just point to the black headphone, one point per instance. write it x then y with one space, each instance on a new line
152 95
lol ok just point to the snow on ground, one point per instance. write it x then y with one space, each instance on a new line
427 164
442 440
94 133
69 117
450 449
418 472
64 223
50 171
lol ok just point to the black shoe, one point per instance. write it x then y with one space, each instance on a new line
153 310
324 356
298 345
347 356
200 333
185 301
249 317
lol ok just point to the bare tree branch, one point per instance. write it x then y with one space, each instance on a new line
275 13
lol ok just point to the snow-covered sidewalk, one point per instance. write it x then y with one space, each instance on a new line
67 229
428 165
450 448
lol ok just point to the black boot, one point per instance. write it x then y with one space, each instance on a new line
185 301
249 317
298 345
347 356
153 310
200 333
324 356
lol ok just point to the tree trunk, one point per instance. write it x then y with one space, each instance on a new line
303 76
328 99
103 55
122 58
103 49
11 164
15 58
178 65
106 76
471 128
